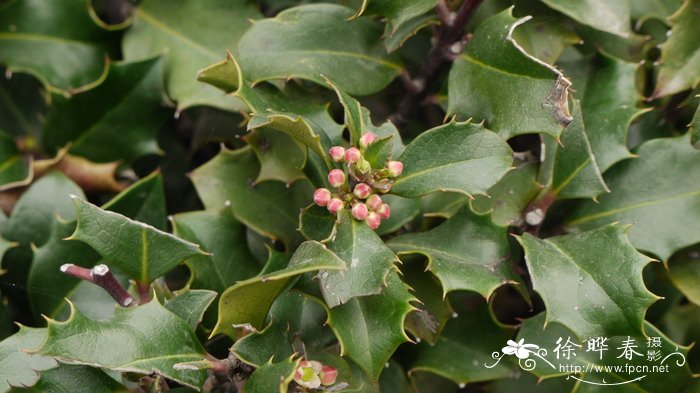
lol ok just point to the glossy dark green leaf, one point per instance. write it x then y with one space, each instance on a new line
684 272
191 305
307 37
661 206
532 95
396 11
17 367
680 54
33 214
191 35
403 211
603 268
70 378
463 348
139 339
433 311
61 46
545 37
609 16
248 301
140 250
143 201
466 252
22 105
270 208
460 157
370 328
608 92
508 198
316 223
224 238
281 157
272 377
14 167
574 171
367 259
116 120
695 129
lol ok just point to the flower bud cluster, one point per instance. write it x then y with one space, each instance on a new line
312 374
357 186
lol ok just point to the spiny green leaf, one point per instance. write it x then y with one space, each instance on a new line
191 35
403 211
354 121
224 238
396 11
140 250
684 272
272 377
14 167
662 206
466 252
508 198
531 95
270 208
367 259
680 54
461 157
191 305
608 92
116 120
316 223
22 105
463 348
17 367
139 339
307 37
72 378
370 328
609 16
695 129
572 170
603 268
281 157
433 311
249 301
33 214
61 46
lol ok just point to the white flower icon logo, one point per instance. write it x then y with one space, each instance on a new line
519 349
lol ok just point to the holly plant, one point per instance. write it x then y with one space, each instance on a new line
369 196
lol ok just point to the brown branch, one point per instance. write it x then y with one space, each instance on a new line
102 277
449 44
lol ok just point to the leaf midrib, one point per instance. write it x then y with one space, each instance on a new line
329 52
167 30
441 166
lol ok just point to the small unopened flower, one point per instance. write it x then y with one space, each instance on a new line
362 190
352 155
336 177
322 196
374 201
367 139
363 166
337 153
328 375
384 211
373 220
360 211
335 205
394 168
307 374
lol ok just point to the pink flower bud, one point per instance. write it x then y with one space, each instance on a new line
373 201
394 168
352 155
335 205
360 211
384 211
367 139
336 177
328 375
337 153
373 220
322 196
362 190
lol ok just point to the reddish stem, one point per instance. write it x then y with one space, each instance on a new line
144 289
102 277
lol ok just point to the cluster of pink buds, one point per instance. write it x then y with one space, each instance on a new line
312 374
357 186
